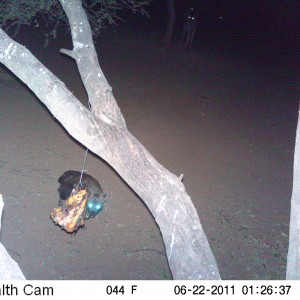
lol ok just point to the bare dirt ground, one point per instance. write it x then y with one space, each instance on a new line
224 118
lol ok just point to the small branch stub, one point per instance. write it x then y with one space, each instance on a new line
67 52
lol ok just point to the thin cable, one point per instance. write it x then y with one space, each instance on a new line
83 170
86 152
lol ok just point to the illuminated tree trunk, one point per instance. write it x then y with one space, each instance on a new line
293 258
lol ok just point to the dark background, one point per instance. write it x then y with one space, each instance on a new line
272 27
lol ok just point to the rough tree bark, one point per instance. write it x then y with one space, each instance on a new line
104 132
293 258
171 21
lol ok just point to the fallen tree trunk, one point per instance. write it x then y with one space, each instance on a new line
104 132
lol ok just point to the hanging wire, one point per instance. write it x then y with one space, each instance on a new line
82 170
86 152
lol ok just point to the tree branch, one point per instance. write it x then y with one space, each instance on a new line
98 90
68 53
